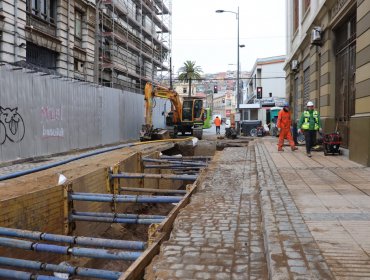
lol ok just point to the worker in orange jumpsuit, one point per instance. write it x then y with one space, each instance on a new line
217 122
283 123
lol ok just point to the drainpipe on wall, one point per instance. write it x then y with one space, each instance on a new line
96 49
15 30
68 31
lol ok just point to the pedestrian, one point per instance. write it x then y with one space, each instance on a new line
217 122
284 123
309 124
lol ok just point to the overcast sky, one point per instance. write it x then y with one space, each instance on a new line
200 34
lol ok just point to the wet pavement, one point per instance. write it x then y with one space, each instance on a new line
263 214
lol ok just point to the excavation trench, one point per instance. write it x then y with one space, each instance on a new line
100 199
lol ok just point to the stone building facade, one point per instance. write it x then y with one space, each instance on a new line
328 62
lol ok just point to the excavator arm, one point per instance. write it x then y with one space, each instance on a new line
152 91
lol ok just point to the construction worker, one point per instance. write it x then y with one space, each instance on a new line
309 123
217 122
283 124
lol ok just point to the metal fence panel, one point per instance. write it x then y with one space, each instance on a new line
44 114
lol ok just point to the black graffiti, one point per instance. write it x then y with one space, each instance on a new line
11 125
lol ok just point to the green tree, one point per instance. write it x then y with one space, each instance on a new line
189 72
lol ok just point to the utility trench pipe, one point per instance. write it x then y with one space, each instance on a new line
153 176
71 270
115 220
78 240
148 190
124 198
191 163
172 166
117 215
21 275
67 250
204 158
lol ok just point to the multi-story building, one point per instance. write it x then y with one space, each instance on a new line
328 63
268 77
117 43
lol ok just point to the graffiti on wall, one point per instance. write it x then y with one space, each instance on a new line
11 125
50 116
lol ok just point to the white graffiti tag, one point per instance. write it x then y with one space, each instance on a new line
11 125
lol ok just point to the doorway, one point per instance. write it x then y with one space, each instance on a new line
345 70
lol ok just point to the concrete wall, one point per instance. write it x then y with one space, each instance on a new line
42 115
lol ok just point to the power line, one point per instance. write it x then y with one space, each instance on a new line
229 79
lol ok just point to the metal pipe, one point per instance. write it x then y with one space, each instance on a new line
78 240
153 176
192 163
127 216
66 250
153 190
72 270
115 220
124 198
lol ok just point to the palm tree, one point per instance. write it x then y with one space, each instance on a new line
189 72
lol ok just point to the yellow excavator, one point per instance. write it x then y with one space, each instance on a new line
185 117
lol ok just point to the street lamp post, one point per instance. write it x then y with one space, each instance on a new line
237 62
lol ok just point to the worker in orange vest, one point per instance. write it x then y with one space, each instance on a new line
283 123
217 122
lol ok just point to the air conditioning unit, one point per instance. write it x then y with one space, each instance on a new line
294 65
316 36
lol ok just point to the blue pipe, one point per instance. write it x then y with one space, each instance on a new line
12 274
74 251
123 195
172 166
105 254
115 220
193 163
124 198
153 176
79 271
47 166
78 240
111 215
45 277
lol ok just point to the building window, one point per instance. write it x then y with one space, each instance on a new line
295 15
184 90
78 66
44 9
41 56
306 5
78 24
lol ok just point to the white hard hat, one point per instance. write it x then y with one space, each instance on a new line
309 103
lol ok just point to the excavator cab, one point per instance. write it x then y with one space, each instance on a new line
192 109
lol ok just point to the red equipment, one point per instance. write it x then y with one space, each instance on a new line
331 143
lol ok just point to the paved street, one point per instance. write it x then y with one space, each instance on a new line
262 214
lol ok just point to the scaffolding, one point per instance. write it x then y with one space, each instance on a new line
134 42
